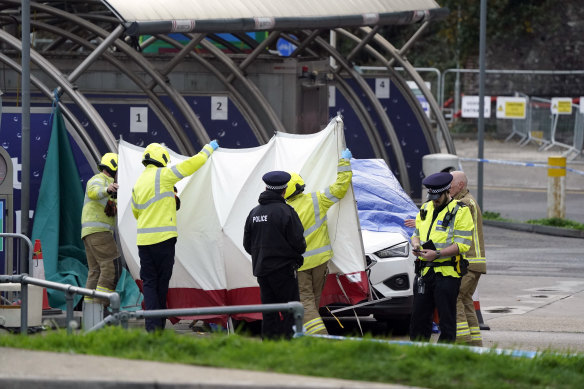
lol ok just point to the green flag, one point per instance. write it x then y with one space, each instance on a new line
57 222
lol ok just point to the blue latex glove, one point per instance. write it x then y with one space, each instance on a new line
214 144
346 154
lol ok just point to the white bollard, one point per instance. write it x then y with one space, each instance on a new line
92 314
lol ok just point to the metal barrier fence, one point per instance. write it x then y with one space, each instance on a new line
70 291
122 317
548 130
540 126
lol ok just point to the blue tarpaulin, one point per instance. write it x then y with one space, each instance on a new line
381 201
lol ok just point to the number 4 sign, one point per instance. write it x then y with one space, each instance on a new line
382 88
138 119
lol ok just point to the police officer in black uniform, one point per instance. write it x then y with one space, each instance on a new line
274 237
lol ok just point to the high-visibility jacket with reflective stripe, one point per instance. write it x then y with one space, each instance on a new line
312 209
153 202
476 254
458 231
93 217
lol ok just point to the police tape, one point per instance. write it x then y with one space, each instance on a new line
515 163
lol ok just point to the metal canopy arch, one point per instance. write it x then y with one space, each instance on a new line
235 79
387 126
239 100
391 50
272 118
430 139
353 99
87 145
155 103
143 17
175 96
60 80
108 137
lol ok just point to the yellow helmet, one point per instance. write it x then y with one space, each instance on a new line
109 162
295 185
155 154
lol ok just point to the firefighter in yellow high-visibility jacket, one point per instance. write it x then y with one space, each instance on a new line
98 220
312 209
154 207
467 323
443 234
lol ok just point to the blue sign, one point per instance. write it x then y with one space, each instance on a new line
285 48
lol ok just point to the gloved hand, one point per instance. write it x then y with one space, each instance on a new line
346 154
214 144
176 199
112 188
111 208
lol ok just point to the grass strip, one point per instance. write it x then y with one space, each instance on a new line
362 360
554 222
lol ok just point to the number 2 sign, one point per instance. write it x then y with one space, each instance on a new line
219 108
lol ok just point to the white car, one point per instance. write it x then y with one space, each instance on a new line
383 205
390 274
390 268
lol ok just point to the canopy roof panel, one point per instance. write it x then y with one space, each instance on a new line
155 16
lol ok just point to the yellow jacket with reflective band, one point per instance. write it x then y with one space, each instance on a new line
459 231
93 217
153 202
476 254
312 209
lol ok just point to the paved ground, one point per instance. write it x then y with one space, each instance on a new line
508 176
21 369
520 192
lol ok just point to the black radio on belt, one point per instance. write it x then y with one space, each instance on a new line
447 219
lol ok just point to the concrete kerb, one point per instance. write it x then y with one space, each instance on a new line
20 369
535 228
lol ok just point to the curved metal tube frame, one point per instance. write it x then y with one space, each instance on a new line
353 99
62 81
237 72
395 145
238 99
159 107
174 95
430 138
391 50
87 143
251 87
162 112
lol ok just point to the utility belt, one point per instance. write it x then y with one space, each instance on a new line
460 265
452 262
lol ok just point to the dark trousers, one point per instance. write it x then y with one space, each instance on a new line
156 262
441 293
280 286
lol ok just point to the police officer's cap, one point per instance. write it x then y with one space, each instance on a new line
437 184
276 180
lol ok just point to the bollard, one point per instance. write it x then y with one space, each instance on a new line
434 163
556 200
